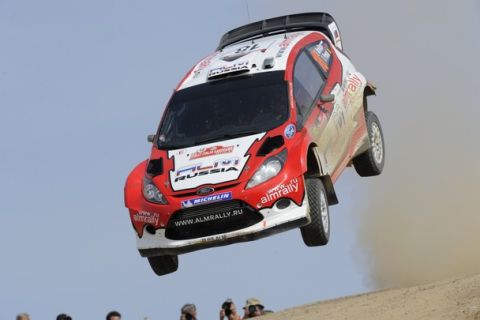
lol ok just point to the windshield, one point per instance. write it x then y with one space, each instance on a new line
224 109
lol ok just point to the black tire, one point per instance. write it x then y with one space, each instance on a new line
163 265
371 162
317 233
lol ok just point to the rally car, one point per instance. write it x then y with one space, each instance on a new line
252 141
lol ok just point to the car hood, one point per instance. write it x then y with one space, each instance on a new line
211 163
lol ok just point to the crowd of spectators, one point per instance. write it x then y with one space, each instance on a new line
228 311
112 315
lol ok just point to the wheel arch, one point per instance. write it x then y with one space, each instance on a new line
314 170
369 90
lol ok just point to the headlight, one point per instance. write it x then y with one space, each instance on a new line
269 169
151 192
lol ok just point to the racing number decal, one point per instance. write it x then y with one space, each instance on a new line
247 48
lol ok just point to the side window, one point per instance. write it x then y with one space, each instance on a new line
307 82
322 54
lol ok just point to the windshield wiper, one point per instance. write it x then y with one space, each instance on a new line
226 136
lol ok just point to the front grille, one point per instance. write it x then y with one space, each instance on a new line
211 219
194 193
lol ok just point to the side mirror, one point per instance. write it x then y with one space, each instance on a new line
327 98
150 138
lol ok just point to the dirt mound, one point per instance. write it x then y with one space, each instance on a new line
453 299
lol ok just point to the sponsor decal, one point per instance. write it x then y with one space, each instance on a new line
215 238
205 190
200 169
336 35
285 43
210 151
202 65
290 131
340 117
240 66
209 218
322 55
207 199
350 87
280 191
206 62
212 165
354 84
323 51
339 112
345 79
280 52
146 217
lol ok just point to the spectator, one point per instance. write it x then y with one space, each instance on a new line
23 316
254 308
114 315
63 316
188 312
229 310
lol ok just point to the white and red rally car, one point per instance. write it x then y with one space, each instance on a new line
252 141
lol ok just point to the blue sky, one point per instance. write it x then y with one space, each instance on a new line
82 83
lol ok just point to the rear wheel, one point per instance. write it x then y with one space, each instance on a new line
370 163
163 265
317 232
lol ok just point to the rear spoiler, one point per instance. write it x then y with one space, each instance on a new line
313 21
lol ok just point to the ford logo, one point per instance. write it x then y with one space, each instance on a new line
204 191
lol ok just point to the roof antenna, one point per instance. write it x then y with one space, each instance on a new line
287 21
248 11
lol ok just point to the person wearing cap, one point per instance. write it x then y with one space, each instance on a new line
63 316
188 312
254 308
113 315
229 310
23 316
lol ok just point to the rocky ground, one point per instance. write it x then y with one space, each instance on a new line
453 299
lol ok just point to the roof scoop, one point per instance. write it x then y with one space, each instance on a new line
268 63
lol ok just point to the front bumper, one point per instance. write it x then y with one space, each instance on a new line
274 220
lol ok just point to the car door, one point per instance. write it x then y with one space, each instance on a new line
315 73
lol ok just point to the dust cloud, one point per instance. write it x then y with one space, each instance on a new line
420 221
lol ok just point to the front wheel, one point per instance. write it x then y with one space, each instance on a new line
317 232
163 265
371 162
